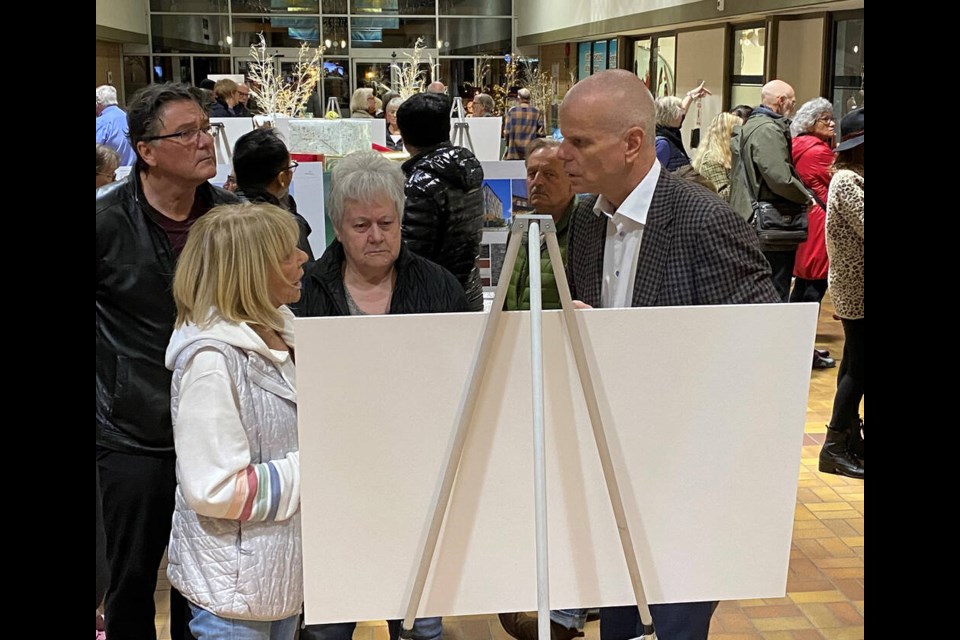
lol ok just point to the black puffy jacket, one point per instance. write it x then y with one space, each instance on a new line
135 315
443 217
421 287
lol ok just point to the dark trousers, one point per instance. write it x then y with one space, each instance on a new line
678 621
808 290
846 404
137 492
781 266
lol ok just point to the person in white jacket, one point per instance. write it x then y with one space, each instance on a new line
235 543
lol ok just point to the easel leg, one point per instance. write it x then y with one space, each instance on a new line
599 435
464 418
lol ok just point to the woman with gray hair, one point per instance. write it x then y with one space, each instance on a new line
813 129
670 112
367 269
394 138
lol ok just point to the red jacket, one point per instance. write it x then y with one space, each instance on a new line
813 158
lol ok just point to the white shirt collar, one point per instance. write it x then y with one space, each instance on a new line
637 204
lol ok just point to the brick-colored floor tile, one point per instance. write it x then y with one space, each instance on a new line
773 611
807 634
820 615
846 613
841 527
853 589
843 633
843 572
853 541
782 624
820 531
836 547
833 515
736 622
831 595
797 584
824 563
812 548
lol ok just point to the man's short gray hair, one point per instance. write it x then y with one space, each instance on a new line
106 95
541 143
524 94
489 106
806 117
669 110
364 177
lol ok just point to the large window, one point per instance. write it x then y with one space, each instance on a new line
847 78
746 76
655 62
191 39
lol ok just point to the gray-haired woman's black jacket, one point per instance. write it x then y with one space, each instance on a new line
421 286
443 217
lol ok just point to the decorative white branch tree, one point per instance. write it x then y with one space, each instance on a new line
272 93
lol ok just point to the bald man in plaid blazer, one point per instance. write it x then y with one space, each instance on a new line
652 239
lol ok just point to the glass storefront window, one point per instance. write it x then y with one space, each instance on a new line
278 31
747 74
334 6
336 81
392 7
190 34
190 6
335 36
847 66
666 49
392 33
203 67
641 61
474 36
135 74
475 8
286 7
172 69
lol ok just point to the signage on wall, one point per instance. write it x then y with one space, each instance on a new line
583 58
599 56
612 54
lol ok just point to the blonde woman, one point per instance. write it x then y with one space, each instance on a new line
713 155
234 548
363 104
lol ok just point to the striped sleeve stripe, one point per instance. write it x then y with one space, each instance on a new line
258 495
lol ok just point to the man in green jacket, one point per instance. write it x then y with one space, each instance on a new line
762 148
550 192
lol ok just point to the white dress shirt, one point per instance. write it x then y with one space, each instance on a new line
622 247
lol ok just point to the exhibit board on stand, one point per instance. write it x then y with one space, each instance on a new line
707 459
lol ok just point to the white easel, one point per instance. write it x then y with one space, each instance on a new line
533 225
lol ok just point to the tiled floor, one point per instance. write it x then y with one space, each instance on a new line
825 584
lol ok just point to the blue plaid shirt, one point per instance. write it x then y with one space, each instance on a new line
522 125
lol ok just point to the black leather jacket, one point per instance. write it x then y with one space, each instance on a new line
135 315
421 286
443 217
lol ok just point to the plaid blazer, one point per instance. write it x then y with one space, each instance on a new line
695 251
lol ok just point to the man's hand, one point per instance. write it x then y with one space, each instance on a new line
580 304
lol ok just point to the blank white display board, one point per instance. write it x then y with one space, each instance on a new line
704 409
485 133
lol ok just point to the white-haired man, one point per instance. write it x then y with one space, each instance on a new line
522 124
112 125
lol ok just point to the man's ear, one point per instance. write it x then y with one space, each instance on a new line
147 152
634 139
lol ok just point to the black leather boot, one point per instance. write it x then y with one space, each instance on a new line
836 458
855 439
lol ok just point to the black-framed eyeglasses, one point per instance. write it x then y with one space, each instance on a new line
827 120
190 136
293 166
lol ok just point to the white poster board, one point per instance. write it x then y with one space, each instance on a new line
378 129
485 135
226 137
704 409
307 188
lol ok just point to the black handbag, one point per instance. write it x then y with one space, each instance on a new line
783 224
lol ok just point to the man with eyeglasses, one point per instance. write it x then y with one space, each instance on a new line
242 107
142 225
